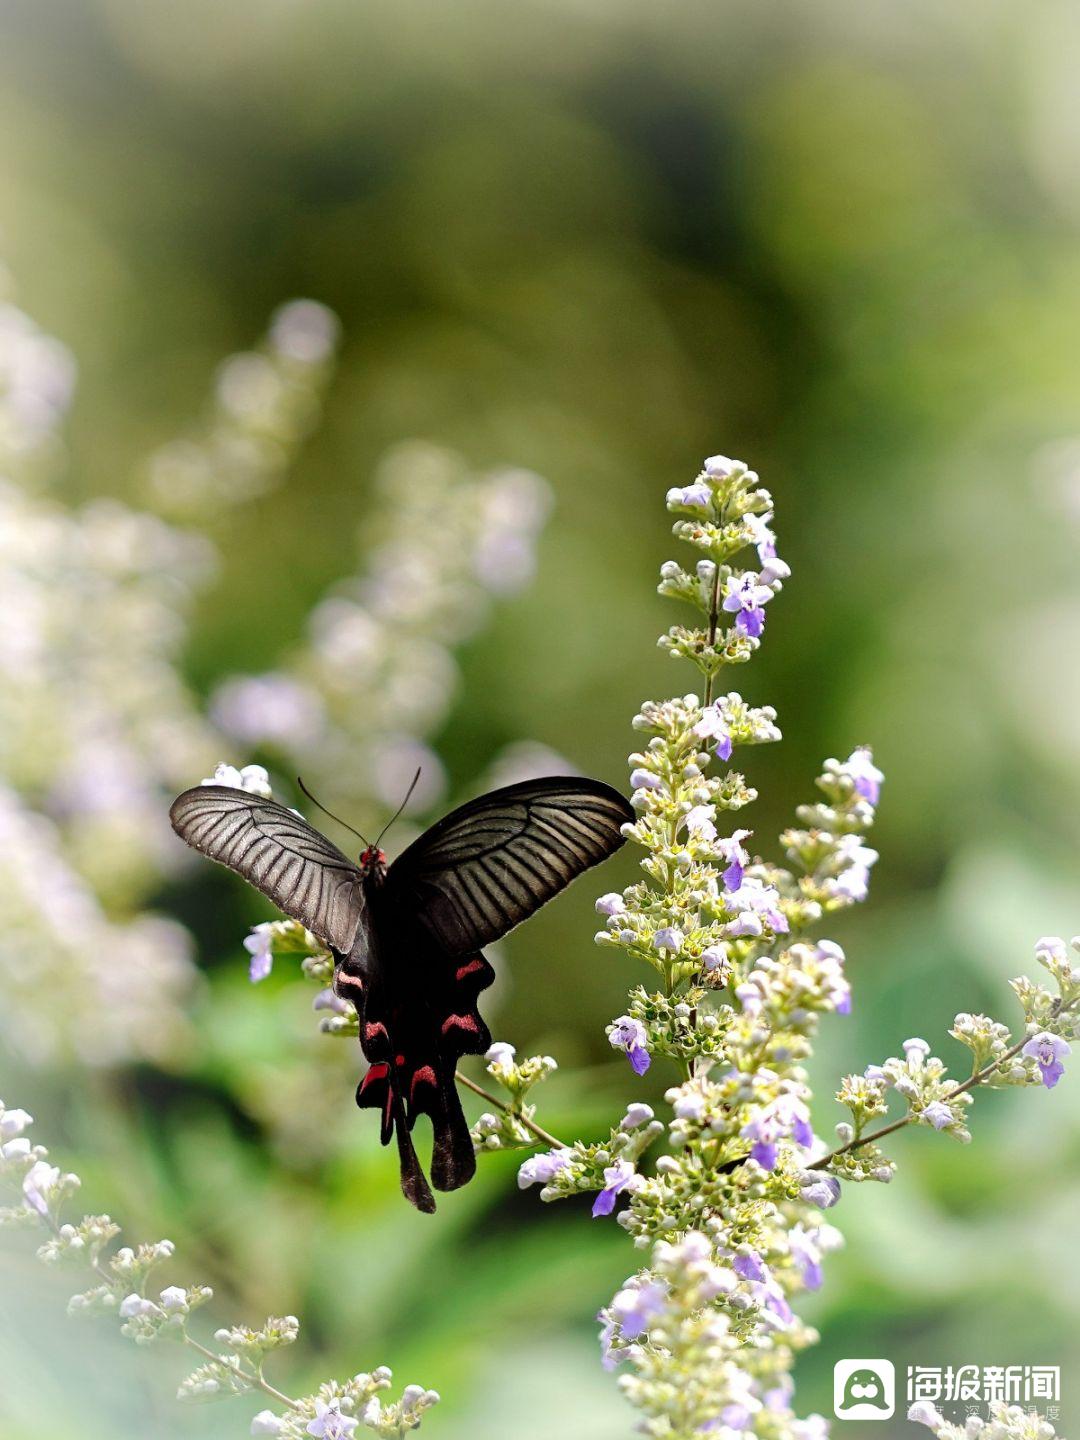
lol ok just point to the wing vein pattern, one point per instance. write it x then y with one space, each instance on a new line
279 853
489 865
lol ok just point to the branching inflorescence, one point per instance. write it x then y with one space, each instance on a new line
731 1218
731 1221
120 1286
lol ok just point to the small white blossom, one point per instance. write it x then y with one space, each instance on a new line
13 1122
252 778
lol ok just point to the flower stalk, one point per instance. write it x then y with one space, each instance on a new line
38 1192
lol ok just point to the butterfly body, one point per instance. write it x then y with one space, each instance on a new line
407 939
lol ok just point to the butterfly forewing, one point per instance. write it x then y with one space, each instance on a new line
408 951
491 864
279 853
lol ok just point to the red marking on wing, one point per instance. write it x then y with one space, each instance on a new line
469 969
373 1028
424 1076
344 979
374 1075
399 1060
460 1022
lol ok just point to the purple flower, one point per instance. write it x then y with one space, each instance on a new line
328 999
806 1253
784 1116
668 938
939 1115
540 1169
696 496
699 822
737 859
774 571
616 1179
260 946
38 1185
628 1034
750 997
645 780
779 1397
608 1357
610 904
746 599
820 1190
636 1306
756 905
1050 949
831 959
715 960
1048 1051
713 726
636 1114
860 769
855 858
750 1267
768 1294
13 1122
330 1423
761 535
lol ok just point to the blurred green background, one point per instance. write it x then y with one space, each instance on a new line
600 241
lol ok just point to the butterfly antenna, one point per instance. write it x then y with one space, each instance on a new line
323 808
400 808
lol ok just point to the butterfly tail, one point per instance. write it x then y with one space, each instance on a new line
377 1091
453 1157
414 1185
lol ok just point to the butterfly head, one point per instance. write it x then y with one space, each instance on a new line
372 861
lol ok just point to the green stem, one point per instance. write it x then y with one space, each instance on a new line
714 625
252 1377
537 1130
978 1078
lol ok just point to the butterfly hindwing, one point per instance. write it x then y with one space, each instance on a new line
279 853
407 941
492 863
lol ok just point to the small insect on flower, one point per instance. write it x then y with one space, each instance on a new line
744 597
628 1034
407 939
329 1423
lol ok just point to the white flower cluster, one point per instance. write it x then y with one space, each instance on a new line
932 1098
96 724
96 729
36 1193
510 1126
124 983
266 401
377 674
731 1216
37 378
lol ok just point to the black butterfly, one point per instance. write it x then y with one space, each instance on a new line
406 940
